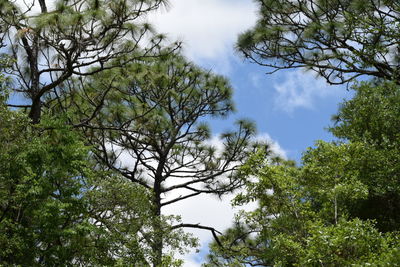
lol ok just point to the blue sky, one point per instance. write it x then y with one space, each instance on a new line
291 108
294 108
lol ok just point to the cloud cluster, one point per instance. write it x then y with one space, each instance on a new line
208 28
300 89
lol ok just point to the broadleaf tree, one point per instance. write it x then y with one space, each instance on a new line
371 119
339 208
43 219
57 208
304 215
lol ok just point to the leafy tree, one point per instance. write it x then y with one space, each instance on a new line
152 131
151 111
371 116
302 218
52 41
120 215
42 219
371 119
55 208
339 39
339 208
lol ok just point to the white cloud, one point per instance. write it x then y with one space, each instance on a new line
206 210
301 89
208 28
257 79
191 263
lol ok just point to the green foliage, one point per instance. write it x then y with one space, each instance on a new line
154 111
150 129
56 209
340 40
118 211
85 60
332 177
42 217
340 208
122 214
4 80
371 119
349 243
372 116
302 217
51 42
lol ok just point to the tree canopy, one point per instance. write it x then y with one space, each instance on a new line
52 41
56 208
339 39
339 208
152 131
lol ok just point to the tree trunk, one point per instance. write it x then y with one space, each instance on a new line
33 56
36 110
157 245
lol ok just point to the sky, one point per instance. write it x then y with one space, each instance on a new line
291 108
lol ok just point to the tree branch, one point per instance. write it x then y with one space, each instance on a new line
198 226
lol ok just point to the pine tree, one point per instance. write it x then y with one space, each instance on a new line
339 39
53 41
152 131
